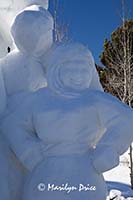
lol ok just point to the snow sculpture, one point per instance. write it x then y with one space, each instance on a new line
21 70
56 132
8 10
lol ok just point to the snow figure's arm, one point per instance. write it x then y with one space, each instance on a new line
117 120
3 97
22 140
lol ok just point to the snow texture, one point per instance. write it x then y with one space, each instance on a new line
70 131
119 191
21 72
8 10
118 179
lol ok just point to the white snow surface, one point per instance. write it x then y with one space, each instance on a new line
8 10
71 57
68 123
32 30
118 180
22 70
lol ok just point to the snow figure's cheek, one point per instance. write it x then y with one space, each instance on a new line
44 42
76 76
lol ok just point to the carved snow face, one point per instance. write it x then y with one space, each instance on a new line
71 70
76 75
70 78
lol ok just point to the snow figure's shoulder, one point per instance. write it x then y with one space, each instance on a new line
11 59
110 103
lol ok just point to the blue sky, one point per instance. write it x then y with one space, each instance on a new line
91 21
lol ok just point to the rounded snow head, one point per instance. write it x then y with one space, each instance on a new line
71 70
32 30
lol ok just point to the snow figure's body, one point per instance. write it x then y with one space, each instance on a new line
56 131
21 70
20 73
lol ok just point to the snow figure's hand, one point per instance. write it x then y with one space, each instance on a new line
104 158
33 156
117 121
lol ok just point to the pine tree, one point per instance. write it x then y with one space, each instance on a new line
117 57
117 76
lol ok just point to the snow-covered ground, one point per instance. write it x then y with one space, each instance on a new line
118 180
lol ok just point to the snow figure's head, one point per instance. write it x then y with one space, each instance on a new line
8 10
71 70
32 30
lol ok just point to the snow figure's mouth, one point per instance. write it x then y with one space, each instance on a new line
76 82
